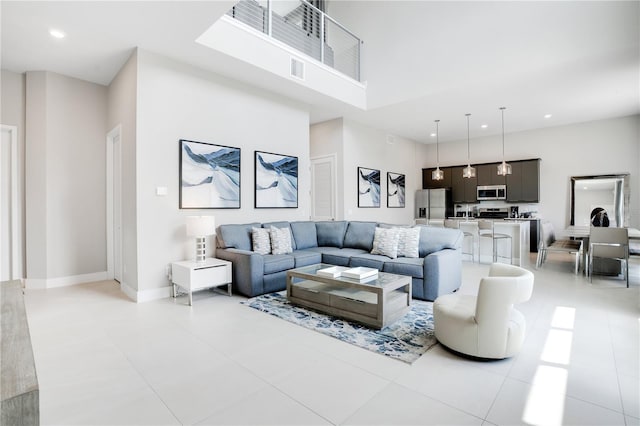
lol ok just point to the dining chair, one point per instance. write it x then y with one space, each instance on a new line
486 229
548 243
609 243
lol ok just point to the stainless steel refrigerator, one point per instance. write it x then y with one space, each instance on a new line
434 203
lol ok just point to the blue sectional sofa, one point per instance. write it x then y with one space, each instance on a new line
437 270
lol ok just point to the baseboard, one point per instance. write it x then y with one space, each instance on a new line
145 295
43 283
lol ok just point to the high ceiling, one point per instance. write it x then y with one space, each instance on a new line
422 60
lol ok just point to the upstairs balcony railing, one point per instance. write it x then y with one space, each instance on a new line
306 28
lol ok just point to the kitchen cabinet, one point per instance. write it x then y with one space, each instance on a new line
523 184
463 190
428 183
488 175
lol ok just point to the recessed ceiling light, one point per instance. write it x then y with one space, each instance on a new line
484 126
433 135
548 116
56 33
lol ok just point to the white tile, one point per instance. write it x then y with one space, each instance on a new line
455 382
520 403
332 388
268 406
397 405
630 390
632 421
194 396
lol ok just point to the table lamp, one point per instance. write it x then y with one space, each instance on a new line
200 227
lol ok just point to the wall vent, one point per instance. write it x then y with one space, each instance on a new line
297 68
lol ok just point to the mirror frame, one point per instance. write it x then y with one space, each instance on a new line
625 194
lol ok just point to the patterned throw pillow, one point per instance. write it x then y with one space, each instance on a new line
261 241
385 242
408 242
280 240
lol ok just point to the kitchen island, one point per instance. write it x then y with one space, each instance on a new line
517 229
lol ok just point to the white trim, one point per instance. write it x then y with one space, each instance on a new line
16 255
115 133
42 283
146 295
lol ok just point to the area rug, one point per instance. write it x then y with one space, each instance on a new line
405 340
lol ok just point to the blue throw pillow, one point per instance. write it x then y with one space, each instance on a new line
331 234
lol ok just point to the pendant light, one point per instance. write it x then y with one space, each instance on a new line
437 174
468 172
504 168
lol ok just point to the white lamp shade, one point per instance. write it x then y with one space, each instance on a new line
199 226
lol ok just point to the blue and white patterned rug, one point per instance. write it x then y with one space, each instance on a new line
406 339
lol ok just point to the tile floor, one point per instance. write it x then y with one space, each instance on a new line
102 359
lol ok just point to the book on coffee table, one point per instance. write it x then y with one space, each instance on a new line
361 273
332 272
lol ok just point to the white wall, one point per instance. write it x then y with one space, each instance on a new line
597 147
122 99
65 178
176 101
326 139
12 110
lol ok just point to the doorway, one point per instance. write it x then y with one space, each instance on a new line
323 188
114 204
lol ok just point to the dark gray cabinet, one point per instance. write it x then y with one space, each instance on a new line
523 185
488 175
429 183
463 190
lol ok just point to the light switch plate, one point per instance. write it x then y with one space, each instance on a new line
161 190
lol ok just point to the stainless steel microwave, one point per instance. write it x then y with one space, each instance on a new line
492 192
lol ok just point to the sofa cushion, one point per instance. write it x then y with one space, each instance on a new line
280 225
280 240
304 235
385 241
331 233
368 260
434 239
336 256
405 266
261 240
277 262
360 235
306 257
236 236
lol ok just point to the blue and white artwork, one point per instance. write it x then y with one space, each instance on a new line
209 176
276 180
368 187
395 189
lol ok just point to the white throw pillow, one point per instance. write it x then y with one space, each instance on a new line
409 242
385 242
280 240
261 241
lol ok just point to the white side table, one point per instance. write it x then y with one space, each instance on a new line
192 276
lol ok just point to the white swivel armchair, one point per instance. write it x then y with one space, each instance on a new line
487 325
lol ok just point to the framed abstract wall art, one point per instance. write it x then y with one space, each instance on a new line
368 187
209 176
395 189
276 181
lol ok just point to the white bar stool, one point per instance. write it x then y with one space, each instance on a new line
455 224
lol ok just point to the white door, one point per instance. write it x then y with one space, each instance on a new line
9 256
323 188
114 204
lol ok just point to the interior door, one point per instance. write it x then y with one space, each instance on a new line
323 188
117 211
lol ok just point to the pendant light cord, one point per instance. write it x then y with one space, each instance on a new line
502 110
437 143
468 149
